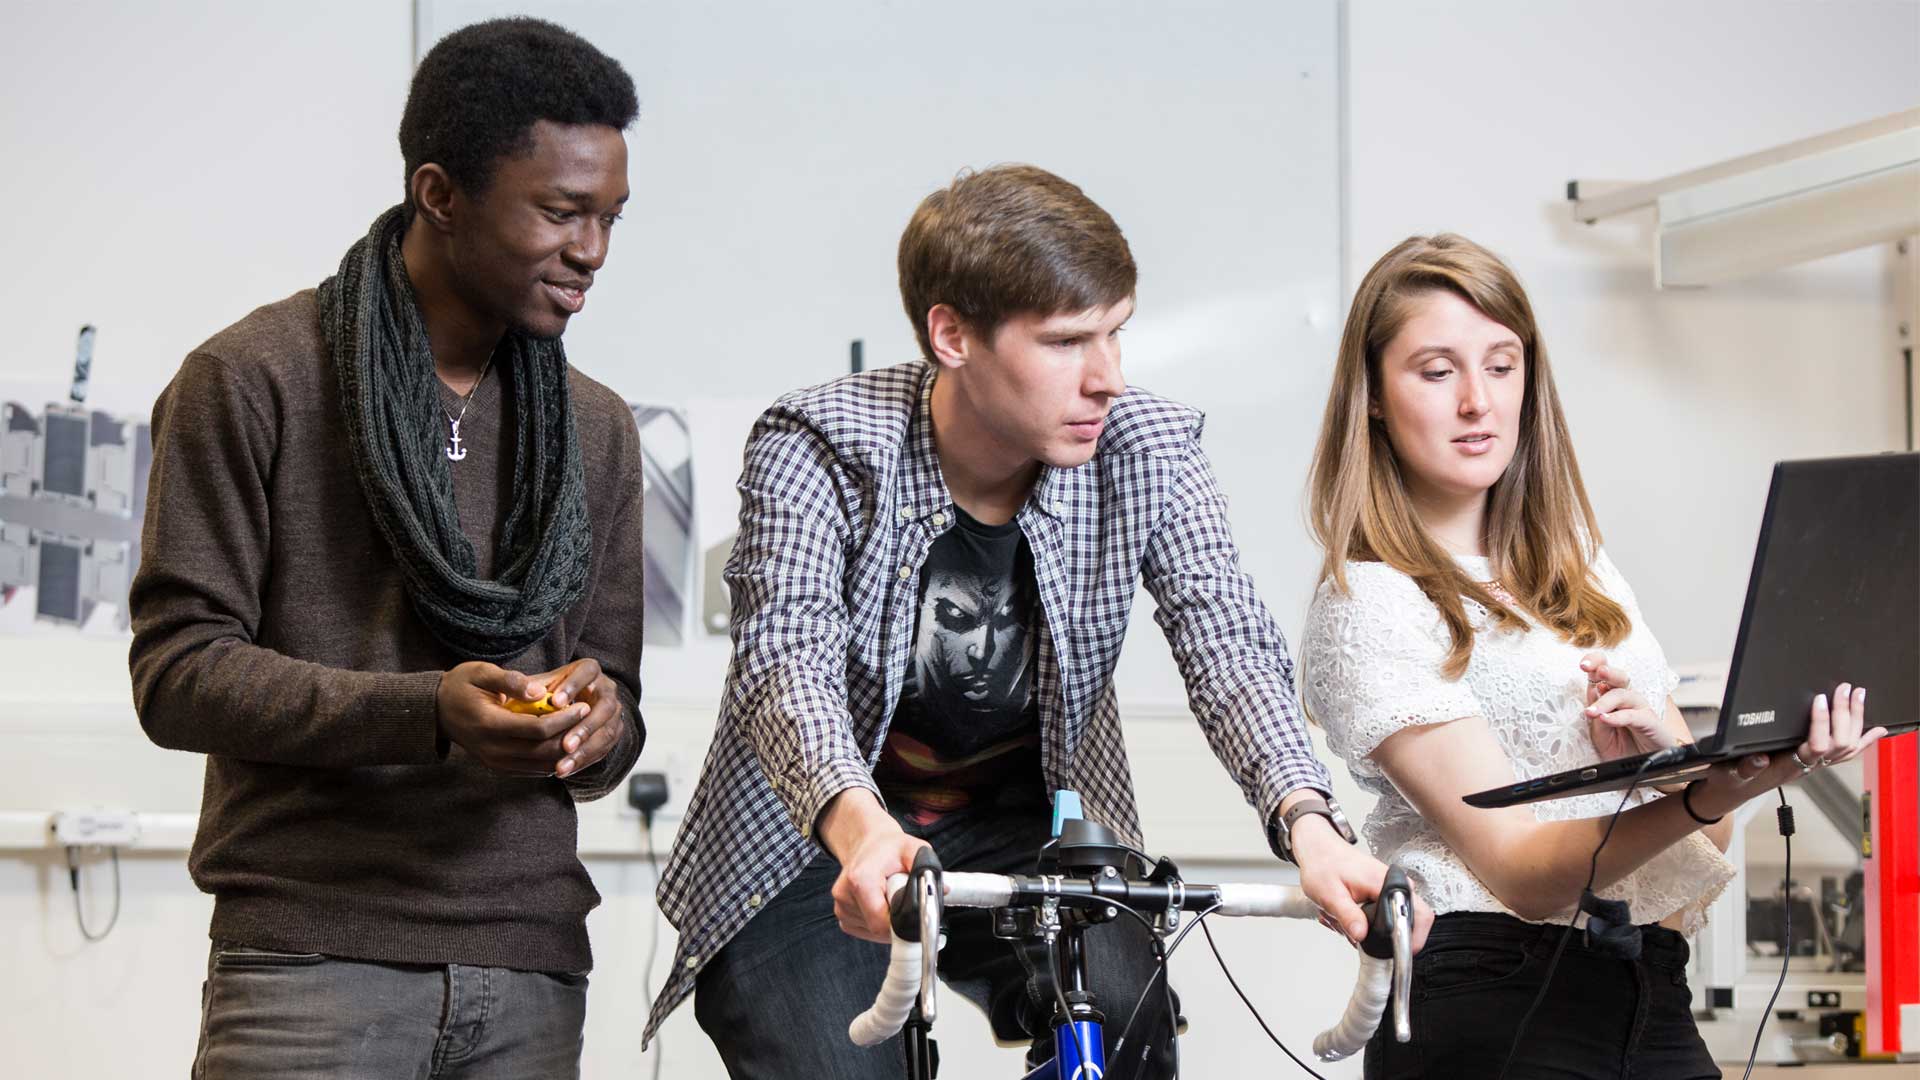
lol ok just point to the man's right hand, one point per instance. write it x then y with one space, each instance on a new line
471 715
871 847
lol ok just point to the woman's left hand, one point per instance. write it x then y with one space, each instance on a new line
1838 729
1620 719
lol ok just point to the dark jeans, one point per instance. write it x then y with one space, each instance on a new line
304 1016
777 999
1604 1016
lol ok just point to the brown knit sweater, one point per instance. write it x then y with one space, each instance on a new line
272 632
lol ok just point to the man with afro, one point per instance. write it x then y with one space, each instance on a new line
390 589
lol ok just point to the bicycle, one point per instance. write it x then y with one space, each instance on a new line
1091 884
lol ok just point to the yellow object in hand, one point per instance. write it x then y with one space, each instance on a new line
540 706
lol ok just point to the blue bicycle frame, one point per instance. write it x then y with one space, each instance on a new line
1067 1063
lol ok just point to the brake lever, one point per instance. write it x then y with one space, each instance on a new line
1402 919
915 914
932 901
1390 934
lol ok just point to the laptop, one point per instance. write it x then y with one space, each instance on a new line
1834 596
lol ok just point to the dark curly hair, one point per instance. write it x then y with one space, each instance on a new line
480 90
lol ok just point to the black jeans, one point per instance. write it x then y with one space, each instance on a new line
776 1000
1604 1016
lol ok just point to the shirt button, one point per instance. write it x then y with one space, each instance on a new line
753 901
1059 507
692 962
906 572
906 513
938 519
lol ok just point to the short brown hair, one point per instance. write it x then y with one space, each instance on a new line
1006 241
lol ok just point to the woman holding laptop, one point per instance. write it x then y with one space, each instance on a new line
1468 630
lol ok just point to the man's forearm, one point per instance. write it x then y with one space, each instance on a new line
848 818
238 700
200 682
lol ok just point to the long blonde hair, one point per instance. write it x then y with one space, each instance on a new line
1541 534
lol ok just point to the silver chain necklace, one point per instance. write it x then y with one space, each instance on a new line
455 451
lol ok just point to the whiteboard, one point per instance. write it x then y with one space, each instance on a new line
778 154
781 148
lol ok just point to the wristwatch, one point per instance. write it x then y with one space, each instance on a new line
1280 830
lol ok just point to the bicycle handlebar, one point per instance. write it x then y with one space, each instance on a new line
1386 956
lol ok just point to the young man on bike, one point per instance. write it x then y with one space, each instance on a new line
933 576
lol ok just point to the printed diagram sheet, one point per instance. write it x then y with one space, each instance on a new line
666 467
73 491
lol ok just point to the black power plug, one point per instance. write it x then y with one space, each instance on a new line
647 792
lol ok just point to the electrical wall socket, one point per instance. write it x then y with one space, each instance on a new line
95 827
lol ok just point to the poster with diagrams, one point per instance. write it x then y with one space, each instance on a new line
666 466
73 491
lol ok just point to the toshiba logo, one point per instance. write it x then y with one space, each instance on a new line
1748 719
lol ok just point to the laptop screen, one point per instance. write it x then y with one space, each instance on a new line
1834 597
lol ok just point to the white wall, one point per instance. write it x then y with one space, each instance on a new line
781 150
1472 119
207 158
168 167
171 168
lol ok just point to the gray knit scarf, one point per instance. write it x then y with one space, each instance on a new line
396 439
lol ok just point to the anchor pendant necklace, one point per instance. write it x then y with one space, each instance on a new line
455 451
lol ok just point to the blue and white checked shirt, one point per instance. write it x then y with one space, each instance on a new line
841 496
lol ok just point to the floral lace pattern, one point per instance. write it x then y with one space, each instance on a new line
1370 662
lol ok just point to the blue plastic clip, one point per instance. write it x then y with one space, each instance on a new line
1066 807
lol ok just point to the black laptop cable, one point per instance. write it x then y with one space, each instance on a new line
1615 930
1785 814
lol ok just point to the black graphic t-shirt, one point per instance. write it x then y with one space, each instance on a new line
967 729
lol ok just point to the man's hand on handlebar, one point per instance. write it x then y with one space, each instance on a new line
871 846
1340 877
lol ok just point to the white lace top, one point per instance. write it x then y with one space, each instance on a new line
1371 664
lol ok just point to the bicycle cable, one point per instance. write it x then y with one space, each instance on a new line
1161 955
1166 983
1248 1002
1166 987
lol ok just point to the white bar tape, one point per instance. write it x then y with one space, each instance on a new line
978 890
1364 1009
895 1000
1279 901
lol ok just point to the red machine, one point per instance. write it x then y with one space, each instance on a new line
1892 865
